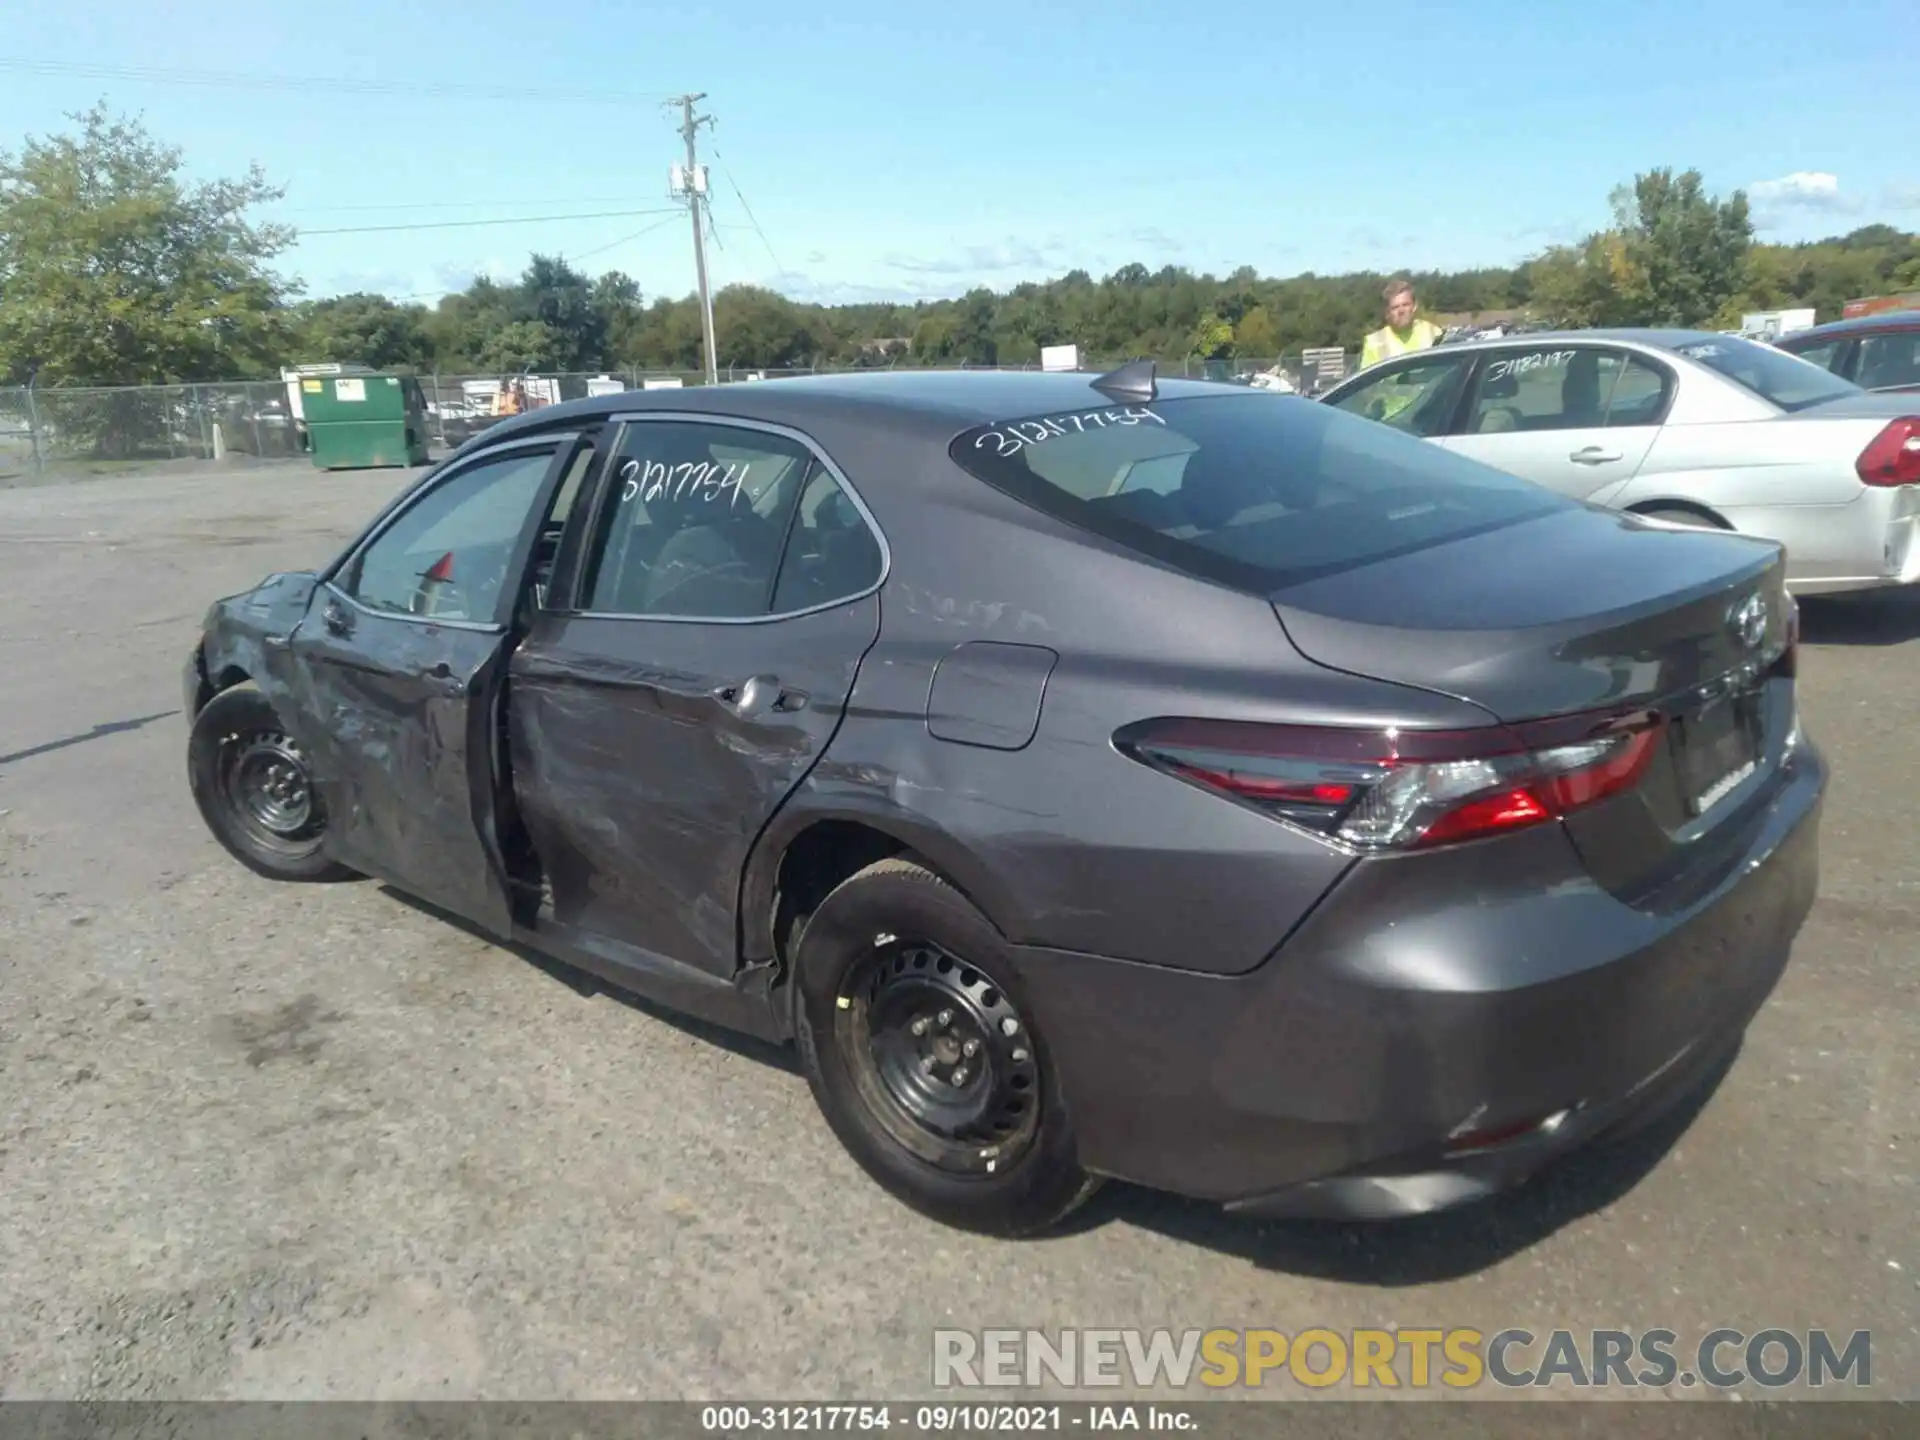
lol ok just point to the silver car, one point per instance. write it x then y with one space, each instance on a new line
1686 426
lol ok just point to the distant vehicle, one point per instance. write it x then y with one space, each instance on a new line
1879 352
1880 304
1690 427
1093 777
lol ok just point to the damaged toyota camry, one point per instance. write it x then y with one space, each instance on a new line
1092 777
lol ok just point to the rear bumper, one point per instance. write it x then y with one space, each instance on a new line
1399 1053
1868 544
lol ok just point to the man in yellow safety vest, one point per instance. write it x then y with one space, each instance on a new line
1402 333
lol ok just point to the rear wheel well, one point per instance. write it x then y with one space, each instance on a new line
817 860
1680 509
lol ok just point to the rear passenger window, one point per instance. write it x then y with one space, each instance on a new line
831 554
1639 394
1889 360
697 521
1824 354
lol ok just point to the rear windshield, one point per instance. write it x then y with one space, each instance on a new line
1774 375
1254 490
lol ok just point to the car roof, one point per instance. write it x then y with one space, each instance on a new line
945 402
1650 336
1858 324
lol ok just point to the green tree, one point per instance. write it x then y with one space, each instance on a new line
616 298
758 328
1212 339
521 345
1256 337
362 329
561 300
117 270
1685 252
1593 283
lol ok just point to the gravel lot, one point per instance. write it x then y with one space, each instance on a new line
262 1141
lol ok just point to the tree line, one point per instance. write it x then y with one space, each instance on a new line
116 269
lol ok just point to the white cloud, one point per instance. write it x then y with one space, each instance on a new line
1802 190
798 285
1012 254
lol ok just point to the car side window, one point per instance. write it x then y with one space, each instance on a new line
1418 397
831 553
1638 393
547 548
1888 360
446 556
696 521
1826 354
1544 387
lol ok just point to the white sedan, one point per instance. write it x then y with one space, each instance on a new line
1687 426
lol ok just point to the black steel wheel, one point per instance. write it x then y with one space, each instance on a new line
255 788
942 1056
265 778
925 1061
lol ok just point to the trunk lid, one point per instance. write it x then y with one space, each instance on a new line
1589 610
1881 405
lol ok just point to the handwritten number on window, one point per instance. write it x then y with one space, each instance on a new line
1009 440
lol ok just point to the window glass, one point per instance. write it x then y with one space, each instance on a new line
831 553
1418 397
1889 360
1824 354
446 556
1553 387
697 519
1255 490
1774 375
547 549
1639 393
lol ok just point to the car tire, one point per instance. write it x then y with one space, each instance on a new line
255 789
964 1121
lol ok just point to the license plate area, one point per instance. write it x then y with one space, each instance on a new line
1717 747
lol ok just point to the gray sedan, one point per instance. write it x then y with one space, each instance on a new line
1687 426
1090 778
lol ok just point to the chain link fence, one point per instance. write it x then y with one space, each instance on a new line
53 428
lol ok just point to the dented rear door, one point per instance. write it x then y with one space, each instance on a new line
662 713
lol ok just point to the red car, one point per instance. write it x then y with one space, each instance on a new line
1875 352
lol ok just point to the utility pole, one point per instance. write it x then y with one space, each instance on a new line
694 186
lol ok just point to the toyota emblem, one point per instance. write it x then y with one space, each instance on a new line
1748 621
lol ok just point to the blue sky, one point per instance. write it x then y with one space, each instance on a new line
894 151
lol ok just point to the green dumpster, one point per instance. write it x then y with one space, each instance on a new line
363 422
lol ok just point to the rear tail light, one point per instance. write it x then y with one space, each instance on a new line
1894 456
1406 789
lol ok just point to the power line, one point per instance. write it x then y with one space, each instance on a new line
452 204
146 74
749 210
462 224
624 239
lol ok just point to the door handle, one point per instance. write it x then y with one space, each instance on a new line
1593 455
756 696
443 672
336 619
